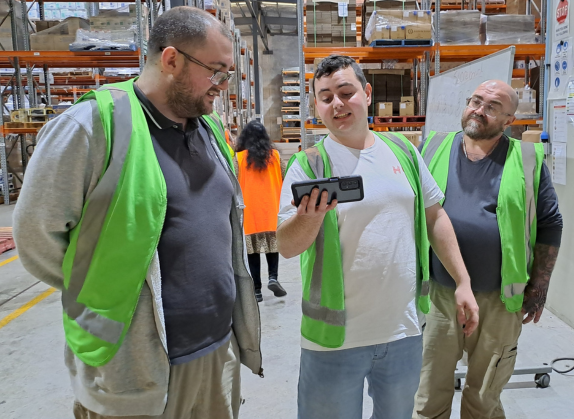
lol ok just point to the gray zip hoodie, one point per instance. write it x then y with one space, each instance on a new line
66 166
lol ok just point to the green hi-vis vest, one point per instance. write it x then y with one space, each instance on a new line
323 305
112 246
516 210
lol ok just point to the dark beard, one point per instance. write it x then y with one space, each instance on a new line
486 133
183 101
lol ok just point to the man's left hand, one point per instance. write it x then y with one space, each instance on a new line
534 300
466 309
537 288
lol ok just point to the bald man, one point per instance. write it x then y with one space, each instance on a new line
504 210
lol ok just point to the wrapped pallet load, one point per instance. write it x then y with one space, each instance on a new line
460 27
507 29
59 37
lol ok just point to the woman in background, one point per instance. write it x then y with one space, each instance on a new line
260 173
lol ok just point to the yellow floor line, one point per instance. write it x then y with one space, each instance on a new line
7 261
25 307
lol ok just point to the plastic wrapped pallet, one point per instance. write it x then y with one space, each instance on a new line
397 5
398 24
460 27
114 40
59 37
508 29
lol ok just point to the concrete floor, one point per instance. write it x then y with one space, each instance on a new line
34 382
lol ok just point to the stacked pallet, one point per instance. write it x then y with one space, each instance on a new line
290 111
6 239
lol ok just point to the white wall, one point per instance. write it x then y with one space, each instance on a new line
561 293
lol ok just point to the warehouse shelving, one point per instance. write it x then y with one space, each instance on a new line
20 59
235 109
422 58
290 110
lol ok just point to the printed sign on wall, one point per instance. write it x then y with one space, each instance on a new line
562 23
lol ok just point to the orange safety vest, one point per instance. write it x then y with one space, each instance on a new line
261 193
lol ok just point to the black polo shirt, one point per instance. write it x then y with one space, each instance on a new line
198 286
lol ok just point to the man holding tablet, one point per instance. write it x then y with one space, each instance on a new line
364 264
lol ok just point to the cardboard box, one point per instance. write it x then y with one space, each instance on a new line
407 98
517 83
381 32
388 71
42 25
415 137
531 136
407 109
419 31
397 32
423 16
385 109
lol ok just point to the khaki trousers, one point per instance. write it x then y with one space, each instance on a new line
205 388
491 349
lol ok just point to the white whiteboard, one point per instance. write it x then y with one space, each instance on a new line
448 91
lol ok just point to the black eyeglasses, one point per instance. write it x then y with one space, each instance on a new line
475 104
218 77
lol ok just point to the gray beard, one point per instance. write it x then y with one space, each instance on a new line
474 131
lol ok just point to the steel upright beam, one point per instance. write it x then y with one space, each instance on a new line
302 101
437 37
256 73
47 85
542 88
140 42
4 166
26 40
21 100
424 81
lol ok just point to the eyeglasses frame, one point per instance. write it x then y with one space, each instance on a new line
228 75
483 105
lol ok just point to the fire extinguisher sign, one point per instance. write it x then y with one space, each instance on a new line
562 23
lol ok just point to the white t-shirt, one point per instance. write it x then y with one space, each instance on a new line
377 238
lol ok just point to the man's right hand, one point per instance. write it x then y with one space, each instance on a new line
307 207
295 235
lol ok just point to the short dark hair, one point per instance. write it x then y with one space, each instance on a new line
334 63
180 27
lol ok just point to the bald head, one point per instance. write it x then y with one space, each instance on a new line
506 93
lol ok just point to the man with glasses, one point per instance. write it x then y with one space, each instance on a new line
504 210
140 228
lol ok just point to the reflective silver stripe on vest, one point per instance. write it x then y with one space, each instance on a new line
313 308
400 143
94 218
425 288
514 289
315 161
529 166
433 146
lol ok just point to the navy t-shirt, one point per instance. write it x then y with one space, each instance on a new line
471 202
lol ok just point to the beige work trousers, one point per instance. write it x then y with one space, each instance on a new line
491 350
205 388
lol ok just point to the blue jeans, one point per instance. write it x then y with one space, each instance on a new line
331 383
